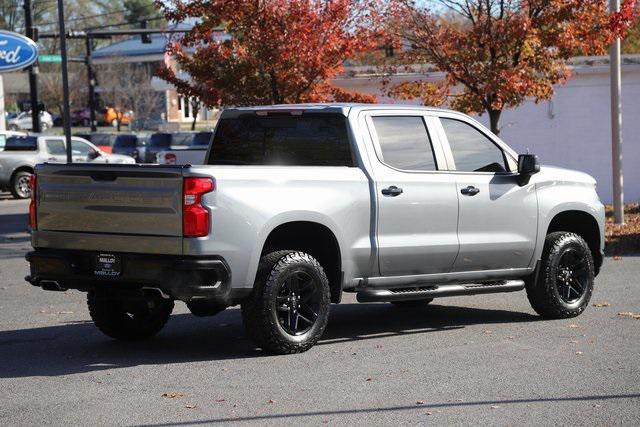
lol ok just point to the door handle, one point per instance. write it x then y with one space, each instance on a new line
392 191
470 191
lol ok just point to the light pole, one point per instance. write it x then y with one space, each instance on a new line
65 81
616 125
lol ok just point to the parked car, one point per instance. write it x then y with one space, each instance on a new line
22 153
23 121
297 204
194 154
131 145
162 141
109 116
81 117
4 134
102 140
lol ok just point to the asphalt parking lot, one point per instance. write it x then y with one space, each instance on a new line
473 360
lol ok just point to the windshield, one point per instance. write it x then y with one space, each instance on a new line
160 140
103 139
309 140
128 141
21 143
202 139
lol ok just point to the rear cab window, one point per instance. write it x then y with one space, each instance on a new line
306 140
21 143
126 141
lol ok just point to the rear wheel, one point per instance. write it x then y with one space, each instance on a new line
565 279
21 185
289 307
417 303
129 319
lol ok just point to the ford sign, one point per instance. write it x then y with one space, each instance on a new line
16 51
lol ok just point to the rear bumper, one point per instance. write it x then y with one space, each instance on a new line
182 278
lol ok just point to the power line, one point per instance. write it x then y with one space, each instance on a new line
83 18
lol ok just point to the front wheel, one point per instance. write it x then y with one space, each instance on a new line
565 280
129 319
288 309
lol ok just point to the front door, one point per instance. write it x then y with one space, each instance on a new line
497 220
417 204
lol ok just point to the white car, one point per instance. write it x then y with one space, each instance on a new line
23 121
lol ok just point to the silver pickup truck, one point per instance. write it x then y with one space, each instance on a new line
297 204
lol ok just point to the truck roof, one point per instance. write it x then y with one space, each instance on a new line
336 108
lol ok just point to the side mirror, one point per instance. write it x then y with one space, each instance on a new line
94 154
528 164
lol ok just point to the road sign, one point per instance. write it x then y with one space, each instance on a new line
49 58
16 51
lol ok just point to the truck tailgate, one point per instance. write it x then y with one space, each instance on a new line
108 200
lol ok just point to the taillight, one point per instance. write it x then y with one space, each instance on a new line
195 217
170 159
32 204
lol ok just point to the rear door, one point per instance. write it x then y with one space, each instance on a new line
417 204
497 220
56 152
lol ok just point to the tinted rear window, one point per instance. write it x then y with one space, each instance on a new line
126 141
202 139
21 143
160 140
102 139
182 138
310 140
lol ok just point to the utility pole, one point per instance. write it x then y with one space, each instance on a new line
33 71
66 119
616 125
92 83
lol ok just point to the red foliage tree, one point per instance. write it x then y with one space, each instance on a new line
278 51
502 51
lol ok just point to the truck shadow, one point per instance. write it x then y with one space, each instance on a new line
78 347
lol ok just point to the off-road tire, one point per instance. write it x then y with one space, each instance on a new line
112 319
411 304
17 185
543 293
259 309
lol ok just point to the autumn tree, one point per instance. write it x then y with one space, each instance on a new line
268 52
497 53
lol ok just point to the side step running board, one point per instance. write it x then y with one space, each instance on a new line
438 291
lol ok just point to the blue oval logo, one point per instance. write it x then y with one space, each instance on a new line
16 51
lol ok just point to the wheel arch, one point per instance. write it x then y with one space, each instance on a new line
314 238
583 224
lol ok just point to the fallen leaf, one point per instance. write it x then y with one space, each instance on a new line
65 312
617 258
573 326
368 379
578 353
573 342
601 304
629 314
495 407
271 401
487 332
595 405
511 338
420 402
221 400
172 395
190 406
428 413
